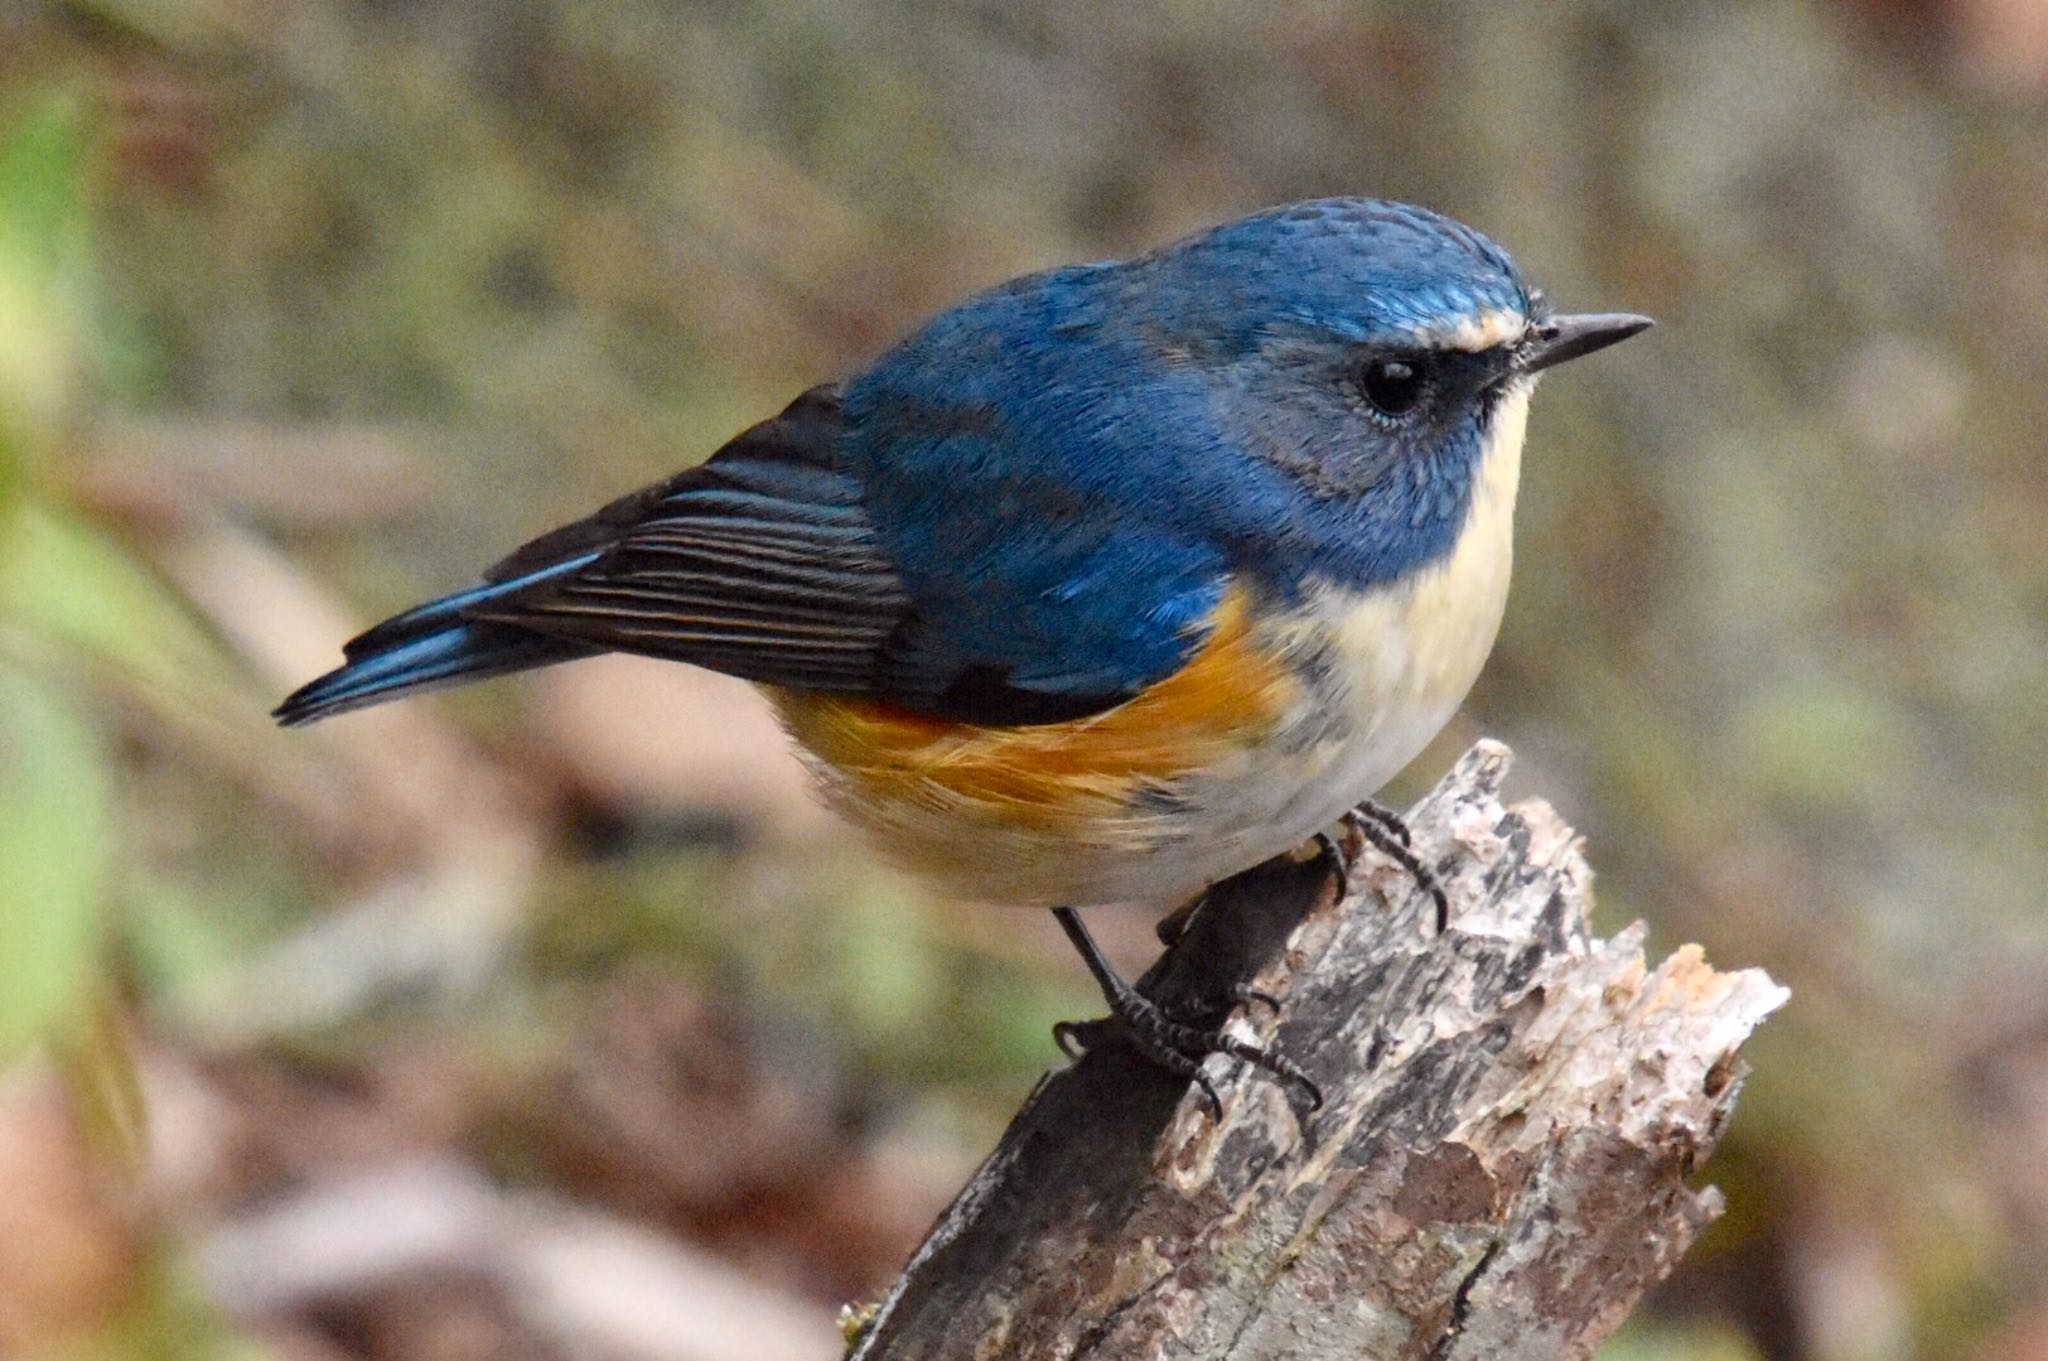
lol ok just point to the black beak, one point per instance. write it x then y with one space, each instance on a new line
1563 338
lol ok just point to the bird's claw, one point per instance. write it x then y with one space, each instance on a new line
1388 834
1334 857
1244 994
1393 823
1180 1048
1076 1038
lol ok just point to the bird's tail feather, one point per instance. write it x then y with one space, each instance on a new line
431 646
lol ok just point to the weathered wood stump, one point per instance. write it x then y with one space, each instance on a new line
1500 1169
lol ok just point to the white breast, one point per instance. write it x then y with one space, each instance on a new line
1391 668
1413 652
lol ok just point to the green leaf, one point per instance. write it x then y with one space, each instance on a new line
55 852
46 274
43 219
70 592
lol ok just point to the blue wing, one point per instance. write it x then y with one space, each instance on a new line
998 597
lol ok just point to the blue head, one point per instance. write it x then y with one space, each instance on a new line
1361 352
1310 390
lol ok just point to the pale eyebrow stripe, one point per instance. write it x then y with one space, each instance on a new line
1495 326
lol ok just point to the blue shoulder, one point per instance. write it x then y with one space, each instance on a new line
1043 557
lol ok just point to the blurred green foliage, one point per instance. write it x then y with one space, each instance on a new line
56 816
45 281
84 623
55 839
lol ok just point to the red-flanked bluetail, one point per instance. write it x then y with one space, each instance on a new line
1104 585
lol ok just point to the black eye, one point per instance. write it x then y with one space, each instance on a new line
1393 386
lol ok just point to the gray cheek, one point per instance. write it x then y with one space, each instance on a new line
1305 424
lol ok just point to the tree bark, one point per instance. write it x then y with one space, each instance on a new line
1499 1169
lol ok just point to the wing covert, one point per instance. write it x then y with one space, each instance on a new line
760 563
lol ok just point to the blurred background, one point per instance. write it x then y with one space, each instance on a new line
551 1019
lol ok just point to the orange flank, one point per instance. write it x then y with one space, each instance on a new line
1055 776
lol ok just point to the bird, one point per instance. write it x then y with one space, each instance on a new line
1108 583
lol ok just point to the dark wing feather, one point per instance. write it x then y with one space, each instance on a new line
767 563
761 563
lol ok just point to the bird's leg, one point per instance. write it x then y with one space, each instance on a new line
1389 835
1177 1047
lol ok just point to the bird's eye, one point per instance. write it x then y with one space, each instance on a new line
1393 386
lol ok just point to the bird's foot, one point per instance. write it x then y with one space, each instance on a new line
1388 834
1180 1048
1337 858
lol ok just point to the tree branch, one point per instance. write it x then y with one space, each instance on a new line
1500 1168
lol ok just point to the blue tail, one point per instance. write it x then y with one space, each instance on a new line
431 646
